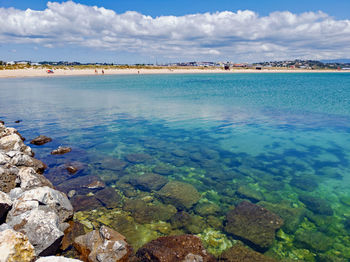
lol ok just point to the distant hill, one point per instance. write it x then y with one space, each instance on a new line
341 61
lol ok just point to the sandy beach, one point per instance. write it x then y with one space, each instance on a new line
31 72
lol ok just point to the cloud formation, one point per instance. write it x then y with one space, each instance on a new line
243 35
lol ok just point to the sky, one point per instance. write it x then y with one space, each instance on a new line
160 31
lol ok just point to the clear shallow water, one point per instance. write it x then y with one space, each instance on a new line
274 139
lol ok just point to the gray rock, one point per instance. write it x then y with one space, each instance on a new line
15 193
41 228
21 159
57 259
4 159
13 142
30 179
4 227
56 200
5 206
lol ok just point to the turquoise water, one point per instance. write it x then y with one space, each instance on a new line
274 139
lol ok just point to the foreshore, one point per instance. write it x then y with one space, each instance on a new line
42 72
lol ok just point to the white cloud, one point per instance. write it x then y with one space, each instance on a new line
243 35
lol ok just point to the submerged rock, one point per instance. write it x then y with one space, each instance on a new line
74 230
103 245
61 150
186 248
148 182
179 194
253 224
82 184
250 193
148 212
41 140
82 203
163 170
109 197
317 205
304 183
313 240
207 209
137 158
239 253
15 246
114 164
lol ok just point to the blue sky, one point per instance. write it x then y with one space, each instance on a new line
76 31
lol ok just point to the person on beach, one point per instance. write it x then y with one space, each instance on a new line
103 72
96 71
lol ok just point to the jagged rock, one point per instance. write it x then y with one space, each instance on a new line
148 182
30 179
52 198
4 227
239 253
316 205
11 141
8 178
253 224
173 249
15 246
21 159
61 150
4 158
103 245
40 140
57 259
137 158
5 206
179 194
41 228
109 197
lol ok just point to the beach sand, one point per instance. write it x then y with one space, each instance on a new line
31 72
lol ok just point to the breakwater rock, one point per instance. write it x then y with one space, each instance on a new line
33 215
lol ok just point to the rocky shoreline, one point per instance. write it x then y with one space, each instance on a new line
36 220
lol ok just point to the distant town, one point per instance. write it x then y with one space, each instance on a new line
291 64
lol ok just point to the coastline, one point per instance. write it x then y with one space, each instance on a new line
31 72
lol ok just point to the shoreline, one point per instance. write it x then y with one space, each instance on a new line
31 72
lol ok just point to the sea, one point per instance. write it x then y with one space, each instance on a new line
278 140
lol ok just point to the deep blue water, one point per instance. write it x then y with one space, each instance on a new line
269 138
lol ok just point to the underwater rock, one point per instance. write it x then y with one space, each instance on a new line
72 169
196 157
181 219
239 253
104 244
314 240
304 183
316 205
292 216
61 150
187 248
41 228
114 164
137 158
206 209
254 224
29 179
83 203
163 170
250 193
82 184
41 140
179 194
144 212
74 230
109 197
5 206
179 153
15 246
148 182
8 178
196 226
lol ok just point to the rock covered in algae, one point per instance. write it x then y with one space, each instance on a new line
292 216
15 246
173 249
137 158
179 194
253 224
148 182
109 197
103 245
314 240
82 203
250 193
206 209
239 253
317 205
144 212
306 183
215 241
